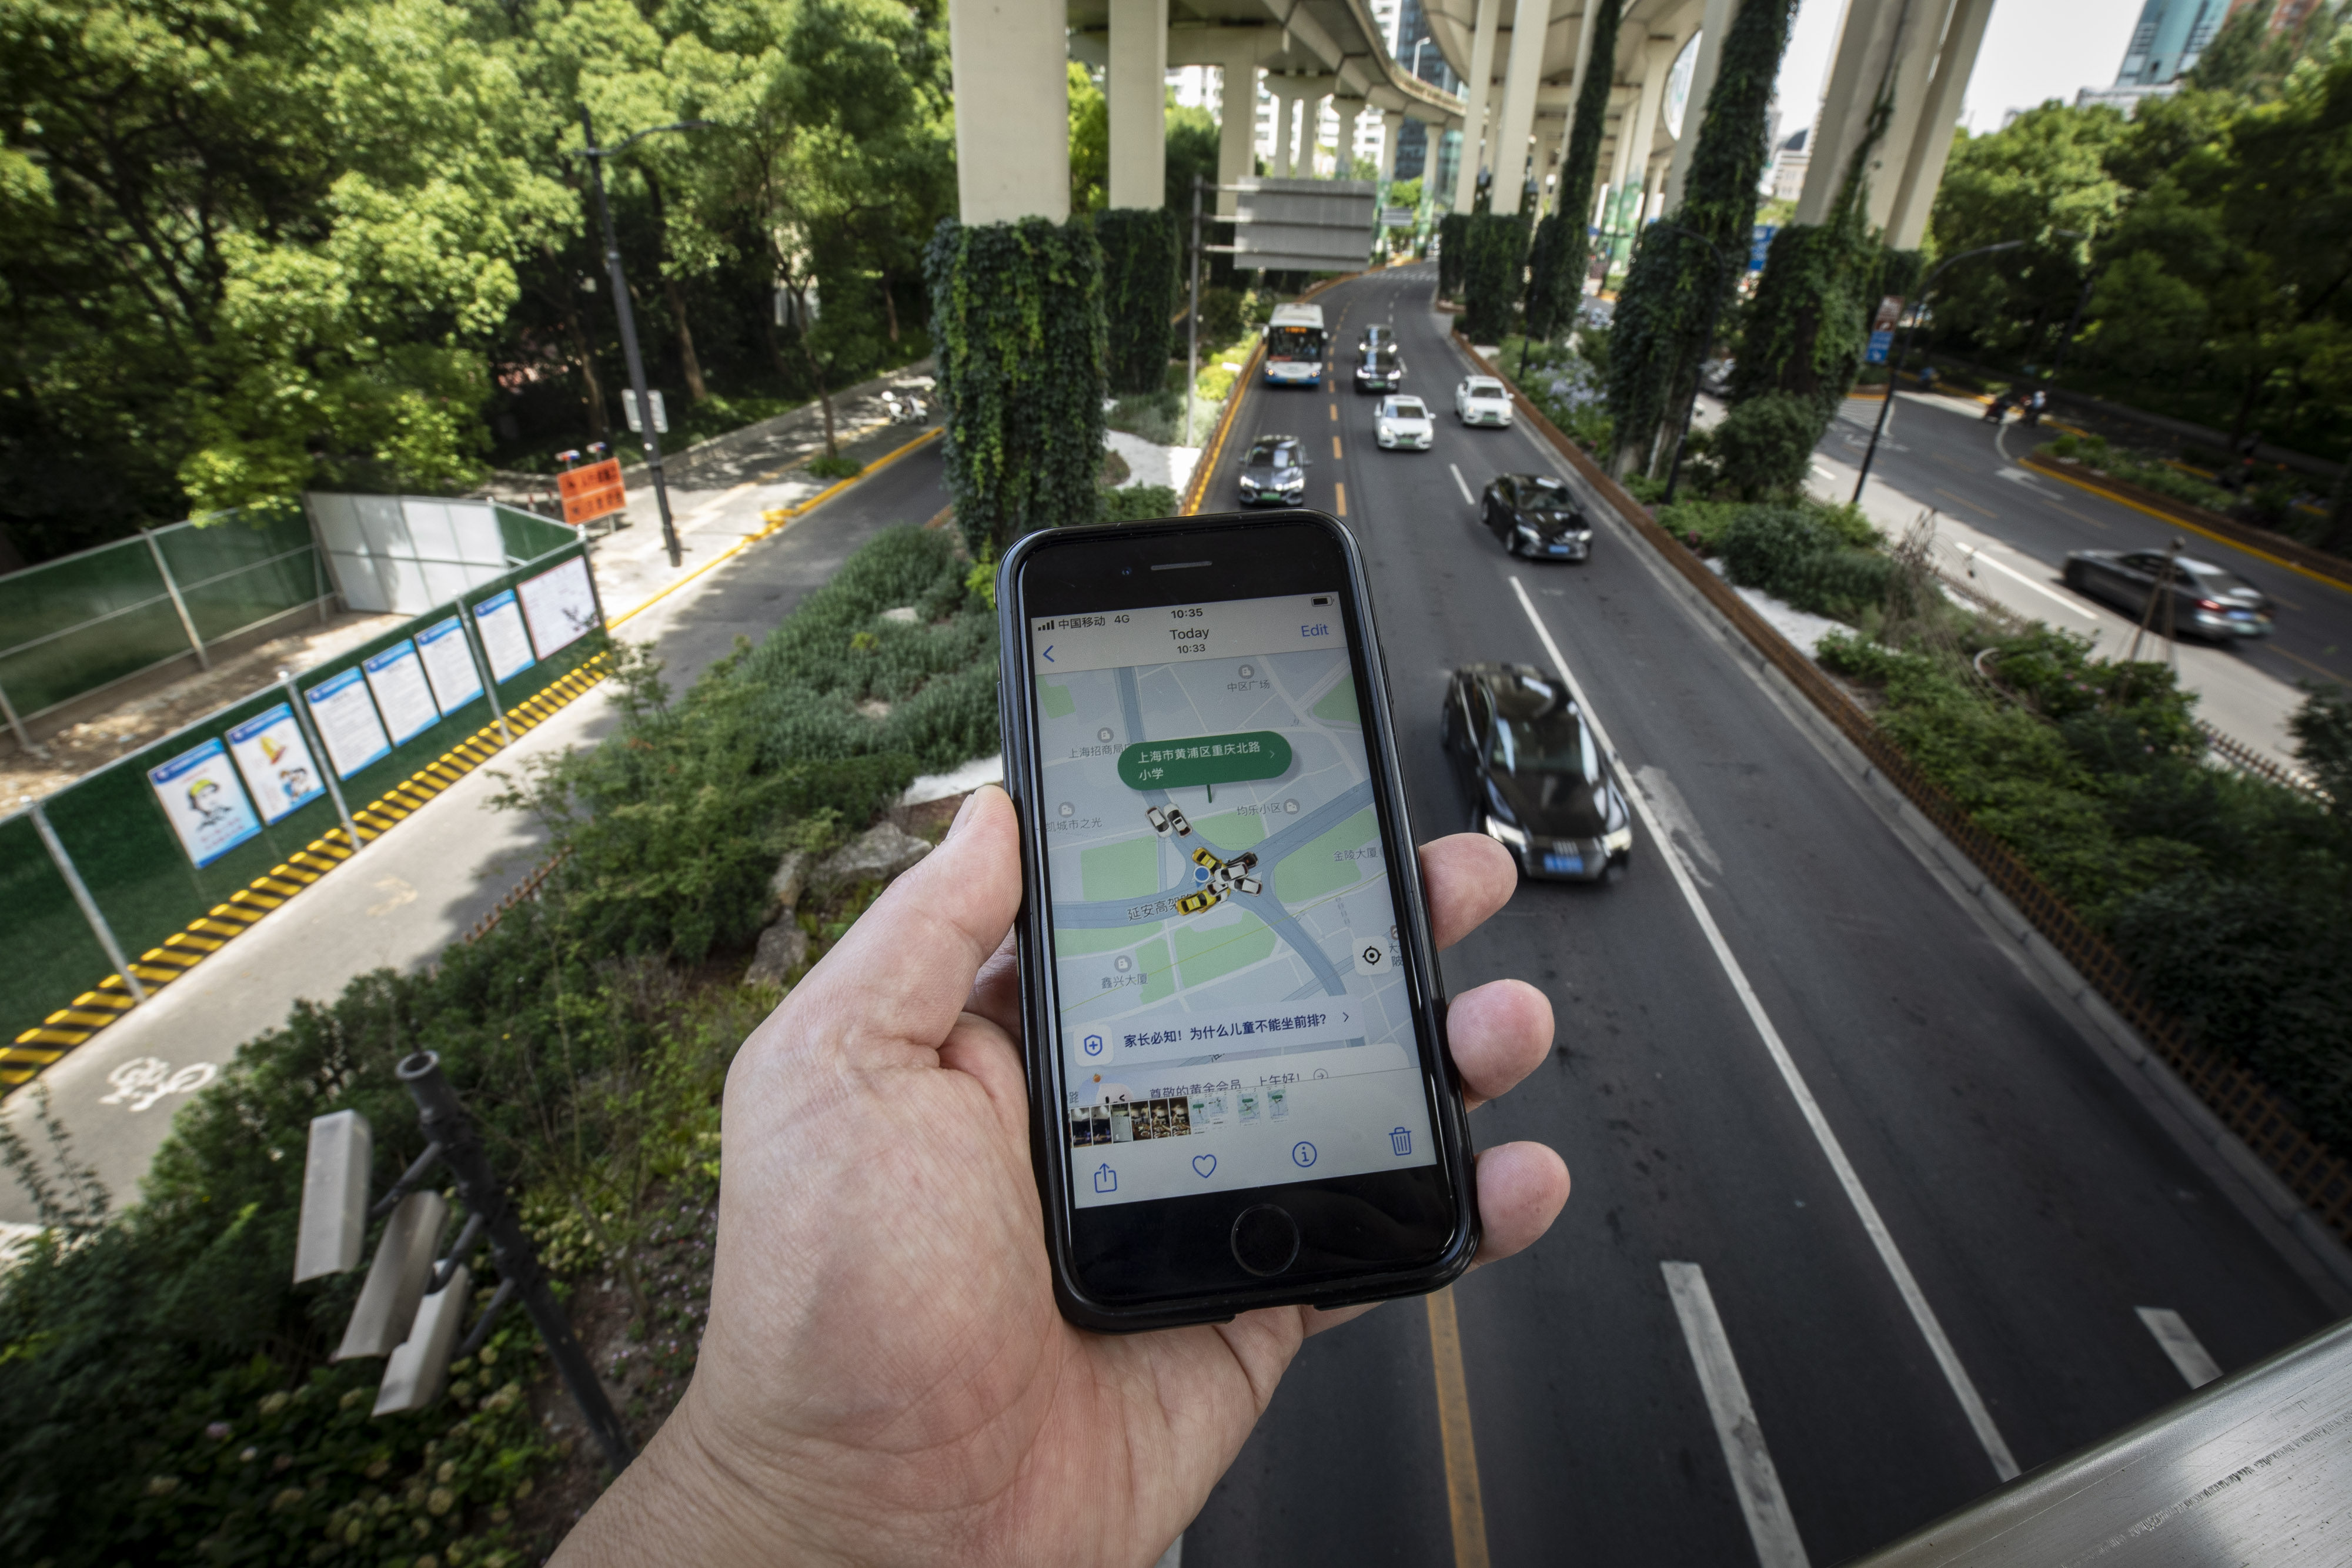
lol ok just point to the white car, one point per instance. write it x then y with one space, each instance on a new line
1402 424
1481 400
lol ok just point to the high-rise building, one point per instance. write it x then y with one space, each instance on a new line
2171 34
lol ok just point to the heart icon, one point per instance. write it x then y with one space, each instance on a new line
1205 1164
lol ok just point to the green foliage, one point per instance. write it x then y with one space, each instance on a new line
1563 247
1494 247
825 466
1017 317
1191 150
1090 143
1139 503
2322 728
2249 58
1766 443
1140 252
1805 327
2220 891
1450 258
1220 315
1565 383
1800 555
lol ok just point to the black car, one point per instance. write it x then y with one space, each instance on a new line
1537 782
1380 370
1534 515
1273 473
2208 601
1376 338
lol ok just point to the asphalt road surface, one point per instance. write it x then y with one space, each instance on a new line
2035 1202
1938 454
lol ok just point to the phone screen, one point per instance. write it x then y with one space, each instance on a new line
1227 1000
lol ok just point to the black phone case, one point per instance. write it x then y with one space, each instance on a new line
1049 1147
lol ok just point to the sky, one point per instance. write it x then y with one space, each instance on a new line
2033 49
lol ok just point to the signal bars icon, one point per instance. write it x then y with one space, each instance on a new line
413 1304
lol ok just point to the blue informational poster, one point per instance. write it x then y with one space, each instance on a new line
276 763
208 806
504 642
1881 345
449 663
345 715
397 675
1759 245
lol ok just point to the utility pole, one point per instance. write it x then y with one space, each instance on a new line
597 156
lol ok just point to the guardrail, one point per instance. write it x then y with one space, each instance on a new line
2246 1105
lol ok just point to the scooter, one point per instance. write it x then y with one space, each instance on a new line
2033 406
1996 411
907 410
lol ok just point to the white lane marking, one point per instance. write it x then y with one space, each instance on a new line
2020 477
1824 473
2172 1334
1765 1506
1963 1388
1670 806
1974 556
1463 484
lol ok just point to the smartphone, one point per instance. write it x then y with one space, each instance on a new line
1236 1051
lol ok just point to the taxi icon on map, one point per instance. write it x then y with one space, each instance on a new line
1164 822
1196 902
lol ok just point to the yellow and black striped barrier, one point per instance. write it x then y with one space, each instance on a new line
73 1024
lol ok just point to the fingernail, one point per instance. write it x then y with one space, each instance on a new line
962 813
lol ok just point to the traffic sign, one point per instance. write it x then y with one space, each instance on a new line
592 492
636 419
1881 345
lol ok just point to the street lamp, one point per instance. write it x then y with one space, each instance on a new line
597 156
1706 342
1902 351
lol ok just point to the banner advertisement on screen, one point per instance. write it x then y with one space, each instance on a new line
347 723
201 795
499 620
276 762
449 663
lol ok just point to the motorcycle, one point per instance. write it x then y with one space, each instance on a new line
1997 412
907 410
2033 409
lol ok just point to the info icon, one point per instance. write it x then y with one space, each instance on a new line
1302 1154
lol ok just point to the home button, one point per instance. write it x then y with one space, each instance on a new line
1266 1239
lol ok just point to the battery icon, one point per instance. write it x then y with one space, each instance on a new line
1322 599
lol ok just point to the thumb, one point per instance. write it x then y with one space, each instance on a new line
895 983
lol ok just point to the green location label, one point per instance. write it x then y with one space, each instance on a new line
1204 759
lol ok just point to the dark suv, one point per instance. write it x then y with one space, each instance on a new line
1380 370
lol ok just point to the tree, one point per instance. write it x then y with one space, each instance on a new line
1139 256
1191 150
1681 278
1090 143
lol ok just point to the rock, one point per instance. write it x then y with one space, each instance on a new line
783 948
792 876
877 854
905 612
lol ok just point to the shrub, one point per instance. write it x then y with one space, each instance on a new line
1494 248
1139 256
1764 544
1136 503
1765 444
829 465
1221 314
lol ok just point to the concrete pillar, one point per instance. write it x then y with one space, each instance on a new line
1919 35
1522 75
1286 104
1351 127
1297 134
1009 60
1314 130
1923 170
1713 25
1136 84
1474 104
1391 126
1653 192
1576 91
1640 127
1866 42
1237 131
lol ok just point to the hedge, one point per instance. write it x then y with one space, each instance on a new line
1018 331
1140 251
1494 249
1450 229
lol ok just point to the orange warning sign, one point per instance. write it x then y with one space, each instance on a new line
592 492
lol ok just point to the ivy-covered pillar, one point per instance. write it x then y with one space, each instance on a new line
1018 330
1141 256
1712 25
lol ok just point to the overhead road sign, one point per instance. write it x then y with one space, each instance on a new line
1302 225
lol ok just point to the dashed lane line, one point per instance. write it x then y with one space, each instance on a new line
1463 485
1931 1327
1761 1501
2180 1346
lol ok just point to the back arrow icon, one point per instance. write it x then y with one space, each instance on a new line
1049 654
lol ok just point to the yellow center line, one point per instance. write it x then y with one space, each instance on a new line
2306 663
1335 449
1335 413
1340 492
1964 501
1462 1499
2078 517
2180 522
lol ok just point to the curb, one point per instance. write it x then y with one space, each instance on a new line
73 1025
2261 1189
1197 492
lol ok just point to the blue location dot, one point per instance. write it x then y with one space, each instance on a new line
1200 873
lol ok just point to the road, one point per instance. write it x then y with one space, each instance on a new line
1938 454
407 895
2034 1200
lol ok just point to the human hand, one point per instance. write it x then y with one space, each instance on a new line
886 1377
